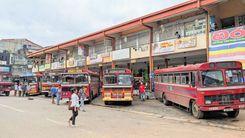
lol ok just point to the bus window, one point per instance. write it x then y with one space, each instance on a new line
170 78
112 79
124 79
165 78
184 78
177 78
82 79
212 78
234 77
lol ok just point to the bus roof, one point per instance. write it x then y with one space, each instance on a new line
82 71
201 66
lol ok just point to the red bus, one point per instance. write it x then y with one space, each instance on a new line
6 84
81 79
49 80
206 87
117 86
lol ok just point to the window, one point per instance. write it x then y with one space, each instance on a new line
81 79
177 78
124 79
241 20
184 78
228 22
68 79
110 79
234 77
170 78
165 78
212 78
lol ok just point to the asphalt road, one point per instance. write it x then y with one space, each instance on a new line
38 118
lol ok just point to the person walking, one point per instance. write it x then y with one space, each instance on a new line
58 95
53 91
74 106
142 91
16 88
81 99
20 89
23 89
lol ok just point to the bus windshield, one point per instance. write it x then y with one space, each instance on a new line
124 79
6 79
234 77
212 78
81 79
110 79
68 79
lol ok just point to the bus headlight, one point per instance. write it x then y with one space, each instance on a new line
242 99
208 102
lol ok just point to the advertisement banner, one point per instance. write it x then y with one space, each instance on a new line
186 42
95 60
163 47
80 50
47 66
4 69
48 58
71 62
42 68
228 45
3 62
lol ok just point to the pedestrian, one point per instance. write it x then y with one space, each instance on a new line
81 99
28 88
23 87
53 91
74 106
20 89
15 88
142 91
58 95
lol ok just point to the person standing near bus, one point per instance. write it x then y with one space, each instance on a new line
53 91
20 89
74 106
58 95
16 88
81 100
23 89
142 91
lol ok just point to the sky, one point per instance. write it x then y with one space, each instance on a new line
50 22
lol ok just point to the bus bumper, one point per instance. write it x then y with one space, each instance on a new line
225 108
117 99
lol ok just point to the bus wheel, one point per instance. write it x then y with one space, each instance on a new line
7 93
233 114
129 103
106 103
195 111
165 101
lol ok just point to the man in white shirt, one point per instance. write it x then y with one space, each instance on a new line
75 105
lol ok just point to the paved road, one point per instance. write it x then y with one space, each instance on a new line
23 118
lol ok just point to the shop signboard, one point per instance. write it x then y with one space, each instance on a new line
228 45
164 47
42 68
35 68
3 62
121 54
48 58
186 42
79 62
47 66
4 69
71 62
95 60
54 65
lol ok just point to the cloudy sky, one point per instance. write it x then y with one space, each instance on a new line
49 22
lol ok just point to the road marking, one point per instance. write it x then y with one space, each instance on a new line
63 124
12 108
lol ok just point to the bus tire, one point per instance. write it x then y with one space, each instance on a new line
106 102
195 111
129 103
233 114
165 101
7 93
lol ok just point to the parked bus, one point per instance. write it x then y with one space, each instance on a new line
81 79
6 84
117 86
49 80
206 87
35 83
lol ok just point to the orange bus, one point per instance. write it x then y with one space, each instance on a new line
47 82
117 86
6 84
201 88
